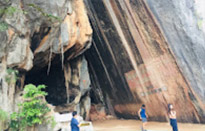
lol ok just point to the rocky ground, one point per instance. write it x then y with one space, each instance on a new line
132 125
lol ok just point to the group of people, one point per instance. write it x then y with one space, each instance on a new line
75 126
171 113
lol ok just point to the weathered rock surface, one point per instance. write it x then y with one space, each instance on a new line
133 63
179 23
151 54
40 40
47 28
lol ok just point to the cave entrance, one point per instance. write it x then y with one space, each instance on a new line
54 81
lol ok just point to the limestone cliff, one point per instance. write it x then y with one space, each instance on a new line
147 52
39 39
148 56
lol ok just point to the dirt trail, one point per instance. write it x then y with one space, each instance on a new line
133 125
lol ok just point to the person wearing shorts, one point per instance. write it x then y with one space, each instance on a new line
143 116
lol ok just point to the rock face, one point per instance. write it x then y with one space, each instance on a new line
185 39
43 29
149 53
44 40
133 62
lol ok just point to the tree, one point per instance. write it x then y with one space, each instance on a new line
32 111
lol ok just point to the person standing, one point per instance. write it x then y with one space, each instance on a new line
172 116
74 122
143 116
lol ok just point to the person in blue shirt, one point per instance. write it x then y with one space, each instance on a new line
143 116
74 122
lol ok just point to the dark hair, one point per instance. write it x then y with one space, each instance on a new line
143 105
74 113
169 109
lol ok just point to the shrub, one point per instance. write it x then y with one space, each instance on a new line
32 111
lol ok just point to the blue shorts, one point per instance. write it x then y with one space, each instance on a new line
144 120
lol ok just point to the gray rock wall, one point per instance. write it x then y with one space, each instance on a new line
178 20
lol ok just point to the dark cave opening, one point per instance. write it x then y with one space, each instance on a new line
39 35
95 98
54 81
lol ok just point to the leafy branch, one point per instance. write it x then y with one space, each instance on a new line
33 110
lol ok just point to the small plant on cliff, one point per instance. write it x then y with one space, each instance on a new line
3 26
10 10
3 119
50 17
32 111
3 115
12 76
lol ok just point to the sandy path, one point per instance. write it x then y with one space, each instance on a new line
133 125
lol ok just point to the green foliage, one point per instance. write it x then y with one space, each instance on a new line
10 10
15 122
3 26
52 122
31 91
50 17
3 115
3 119
12 76
33 110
